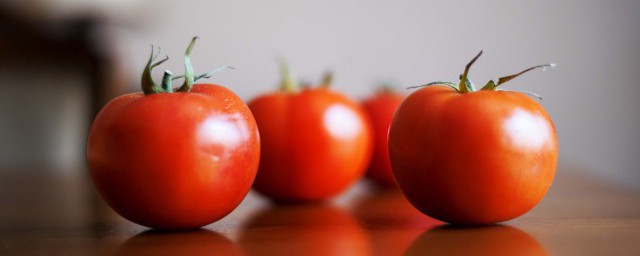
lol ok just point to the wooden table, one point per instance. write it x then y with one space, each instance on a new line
61 215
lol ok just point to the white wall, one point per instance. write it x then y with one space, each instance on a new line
592 95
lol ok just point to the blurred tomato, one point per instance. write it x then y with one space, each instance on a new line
315 142
380 109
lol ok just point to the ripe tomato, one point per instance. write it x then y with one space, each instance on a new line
174 160
472 157
380 109
315 143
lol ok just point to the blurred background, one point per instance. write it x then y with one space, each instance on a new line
61 60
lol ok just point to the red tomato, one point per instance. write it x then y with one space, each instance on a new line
380 109
473 157
174 160
315 143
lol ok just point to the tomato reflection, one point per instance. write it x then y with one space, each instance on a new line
391 222
489 240
197 242
303 230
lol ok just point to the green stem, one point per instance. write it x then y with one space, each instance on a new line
289 83
448 84
188 68
465 85
385 87
205 75
147 83
327 79
166 81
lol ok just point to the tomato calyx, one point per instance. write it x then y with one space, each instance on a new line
150 87
290 84
386 87
465 85
327 80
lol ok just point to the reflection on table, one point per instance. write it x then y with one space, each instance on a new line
46 214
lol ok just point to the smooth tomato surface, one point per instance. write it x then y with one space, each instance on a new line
174 160
380 109
473 158
315 144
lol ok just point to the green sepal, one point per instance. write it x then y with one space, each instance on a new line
146 81
448 84
327 79
188 68
464 82
206 75
289 82
492 85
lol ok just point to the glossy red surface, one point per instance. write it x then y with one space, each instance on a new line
380 109
473 158
315 144
174 160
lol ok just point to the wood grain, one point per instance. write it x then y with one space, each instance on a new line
55 215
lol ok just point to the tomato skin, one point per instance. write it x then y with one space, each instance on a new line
380 109
472 158
174 160
315 144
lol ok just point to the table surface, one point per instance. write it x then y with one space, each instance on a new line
47 214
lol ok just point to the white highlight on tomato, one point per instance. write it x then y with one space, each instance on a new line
222 132
527 130
342 122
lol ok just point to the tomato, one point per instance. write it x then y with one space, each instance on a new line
472 157
315 143
380 109
174 160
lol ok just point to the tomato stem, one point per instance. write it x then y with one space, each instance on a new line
327 79
448 84
465 84
150 87
166 82
188 68
385 87
491 85
147 83
289 83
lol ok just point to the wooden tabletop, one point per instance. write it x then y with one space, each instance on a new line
47 214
